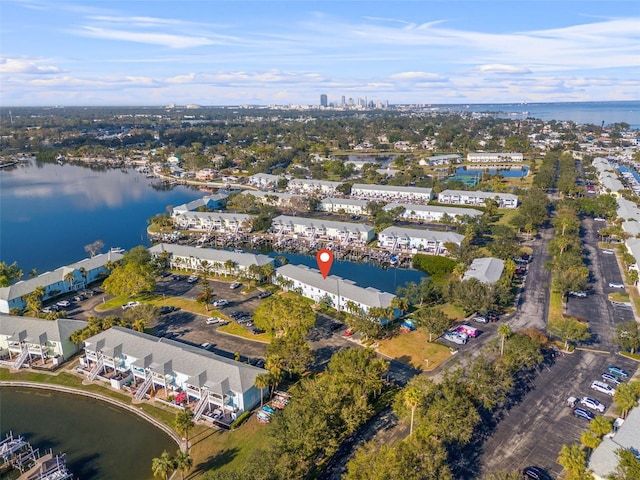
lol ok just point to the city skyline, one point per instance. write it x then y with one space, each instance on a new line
282 53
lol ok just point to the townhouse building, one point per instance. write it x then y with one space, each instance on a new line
477 198
319 228
349 206
432 213
215 222
496 157
389 193
312 187
428 241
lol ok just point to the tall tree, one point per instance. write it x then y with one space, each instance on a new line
574 460
261 382
433 320
9 273
626 398
569 330
162 466
504 331
628 335
183 462
183 422
412 398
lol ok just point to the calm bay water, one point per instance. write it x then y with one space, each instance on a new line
49 212
102 442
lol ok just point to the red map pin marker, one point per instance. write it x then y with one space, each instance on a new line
325 259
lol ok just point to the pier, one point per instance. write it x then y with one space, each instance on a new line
18 454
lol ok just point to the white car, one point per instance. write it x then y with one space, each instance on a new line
479 319
578 294
593 404
456 337
608 252
214 320
616 285
129 305
220 303
602 387
63 303
192 279
234 285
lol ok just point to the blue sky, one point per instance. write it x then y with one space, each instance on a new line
229 52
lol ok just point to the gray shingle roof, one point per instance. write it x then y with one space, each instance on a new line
200 202
486 270
197 363
261 194
432 235
604 460
211 254
628 210
55 330
390 188
369 296
223 218
320 222
451 211
25 287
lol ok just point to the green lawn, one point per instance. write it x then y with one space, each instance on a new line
413 348
619 297
234 329
555 307
453 311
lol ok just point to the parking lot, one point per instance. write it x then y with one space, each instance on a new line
533 432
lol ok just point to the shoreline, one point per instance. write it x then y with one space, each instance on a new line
103 398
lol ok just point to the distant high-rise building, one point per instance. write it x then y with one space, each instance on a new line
323 101
344 101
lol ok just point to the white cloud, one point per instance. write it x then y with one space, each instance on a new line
421 76
500 68
163 39
26 66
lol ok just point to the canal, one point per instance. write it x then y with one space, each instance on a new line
102 442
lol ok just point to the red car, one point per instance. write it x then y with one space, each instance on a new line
348 333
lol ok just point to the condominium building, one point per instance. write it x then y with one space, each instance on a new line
319 228
429 241
264 181
477 198
168 368
281 200
496 157
69 278
485 270
349 206
340 293
389 193
215 261
215 222
432 213
36 341
312 187
210 202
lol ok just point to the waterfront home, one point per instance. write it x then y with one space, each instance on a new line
36 341
165 368
209 202
391 193
486 157
215 222
349 206
604 460
485 270
312 187
338 292
607 177
477 198
264 181
441 159
319 228
432 213
63 280
285 201
429 241
215 261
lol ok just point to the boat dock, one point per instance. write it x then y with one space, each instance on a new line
18 454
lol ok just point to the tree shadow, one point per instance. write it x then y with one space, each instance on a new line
217 461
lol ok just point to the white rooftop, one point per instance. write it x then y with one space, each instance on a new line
432 235
486 270
212 255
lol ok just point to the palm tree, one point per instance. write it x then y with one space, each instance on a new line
267 270
275 367
83 272
162 466
183 462
261 382
412 400
401 303
626 398
139 325
33 273
504 331
183 423
206 267
230 266
70 277
574 460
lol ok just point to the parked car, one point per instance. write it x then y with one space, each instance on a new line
602 387
456 337
608 252
78 298
480 319
129 305
256 331
192 279
63 303
167 309
264 294
616 285
584 414
214 320
578 294
348 333
52 308
234 285
335 326
611 379
617 371
207 346
534 473
468 330
593 404
220 303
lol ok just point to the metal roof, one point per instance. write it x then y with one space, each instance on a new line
452 211
603 460
321 222
390 189
211 255
54 330
486 270
431 235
